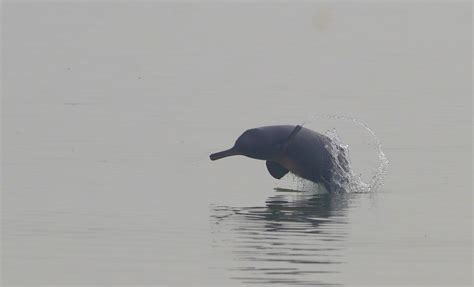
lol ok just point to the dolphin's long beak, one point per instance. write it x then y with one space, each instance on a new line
222 154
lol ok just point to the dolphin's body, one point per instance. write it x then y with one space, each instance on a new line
287 148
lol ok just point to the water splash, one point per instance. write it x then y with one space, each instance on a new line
344 178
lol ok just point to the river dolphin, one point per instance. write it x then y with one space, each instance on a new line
285 148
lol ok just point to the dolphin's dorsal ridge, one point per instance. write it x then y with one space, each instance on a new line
290 138
276 170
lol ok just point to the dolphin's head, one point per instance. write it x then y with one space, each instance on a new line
252 143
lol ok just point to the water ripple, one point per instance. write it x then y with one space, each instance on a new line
295 239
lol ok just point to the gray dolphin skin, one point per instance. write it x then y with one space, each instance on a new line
286 148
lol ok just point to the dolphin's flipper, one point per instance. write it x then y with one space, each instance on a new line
276 170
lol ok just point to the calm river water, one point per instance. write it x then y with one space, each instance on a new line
110 111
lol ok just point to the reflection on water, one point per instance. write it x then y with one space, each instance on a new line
296 238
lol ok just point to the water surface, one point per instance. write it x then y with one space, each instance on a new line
109 113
